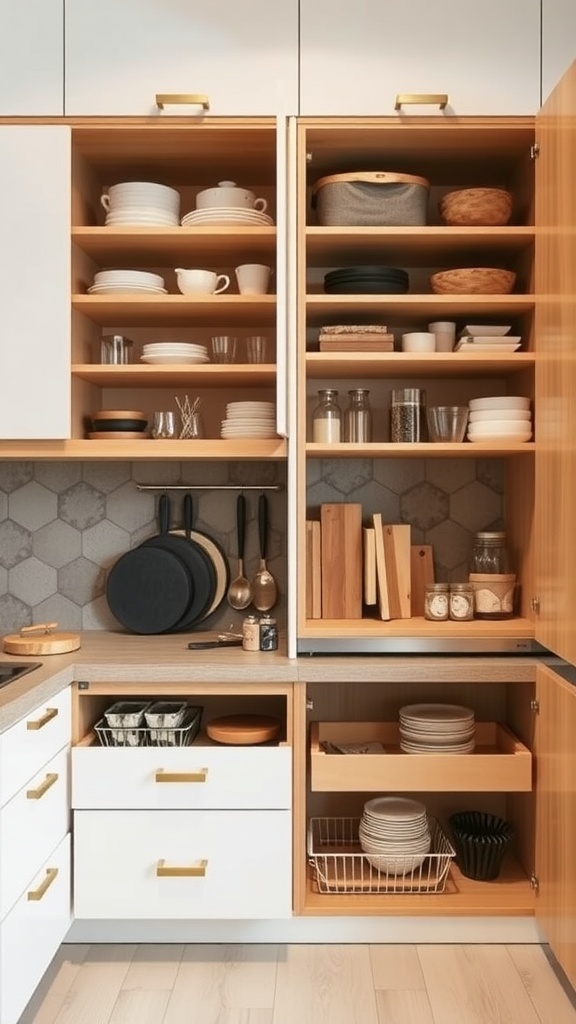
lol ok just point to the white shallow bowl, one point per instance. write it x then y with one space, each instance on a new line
504 427
508 438
499 402
512 415
395 865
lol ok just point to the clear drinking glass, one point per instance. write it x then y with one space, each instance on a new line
223 348
163 424
256 348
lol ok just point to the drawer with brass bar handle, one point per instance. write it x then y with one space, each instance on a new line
404 99
50 877
177 98
39 723
39 791
197 870
200 775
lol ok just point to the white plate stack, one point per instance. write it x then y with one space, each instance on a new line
499 418
141 204
436 729
233 216
394 834
487 338
127 282
249 419
174 352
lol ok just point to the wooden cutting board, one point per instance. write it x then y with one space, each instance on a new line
313 570
422 572
45 642
341 525
381 575
239 730
397 552
370 585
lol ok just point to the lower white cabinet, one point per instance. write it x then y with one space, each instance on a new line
182 864
31 933
27 746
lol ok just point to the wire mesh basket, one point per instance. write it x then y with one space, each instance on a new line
340 866
144 736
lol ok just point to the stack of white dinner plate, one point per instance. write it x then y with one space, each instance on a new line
226 215
436 729
501 418
487 338
394 834
249 419
132 282
141 204
174 352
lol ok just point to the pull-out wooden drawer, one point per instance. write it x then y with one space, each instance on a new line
182 864
198 776
500 762
28 745
32 823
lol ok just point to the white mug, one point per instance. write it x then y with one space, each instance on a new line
418 341
201 282
445 333
253 278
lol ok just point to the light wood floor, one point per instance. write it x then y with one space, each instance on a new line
301 984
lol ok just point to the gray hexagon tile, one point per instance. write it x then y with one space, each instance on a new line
97 615
215 511
450 474
253 473
104 542
215 473
59 609
346 475
491 473
15 543
474 506
32 580
14 475
82 506
81 581
57 543
128 508
399 475
57 476
33 506
3 505
13 614
424 505
106 476
452 545
375 498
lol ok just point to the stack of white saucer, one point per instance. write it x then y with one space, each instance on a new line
141 203
174 352
249 419
394 834
129 282
436 729
227 215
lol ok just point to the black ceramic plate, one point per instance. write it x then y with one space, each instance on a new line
368 288
131 425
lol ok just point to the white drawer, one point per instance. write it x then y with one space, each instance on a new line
244 858
32 823
33 931
186 777
28 745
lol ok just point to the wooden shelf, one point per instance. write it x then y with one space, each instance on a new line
178 310
418 626
346 365
321 308
246 449
412 246
499 763
206 375
142 246
424 450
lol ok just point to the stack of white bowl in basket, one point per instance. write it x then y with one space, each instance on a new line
141 203
499 418
394 834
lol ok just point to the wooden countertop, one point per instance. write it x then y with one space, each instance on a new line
109 657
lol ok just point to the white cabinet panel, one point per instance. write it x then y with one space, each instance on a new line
29 744
356 57
35 282
32 58
32 932
121 53
244 858
189 777
558 42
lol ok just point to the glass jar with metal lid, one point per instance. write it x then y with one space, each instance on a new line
489 552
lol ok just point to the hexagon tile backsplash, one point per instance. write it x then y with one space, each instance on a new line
63 525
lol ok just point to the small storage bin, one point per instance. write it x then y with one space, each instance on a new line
480 841
371 199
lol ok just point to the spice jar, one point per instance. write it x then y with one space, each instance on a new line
436 601
461 602
326 418
406 414
358 417
489 553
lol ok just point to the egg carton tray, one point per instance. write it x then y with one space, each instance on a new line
339 865
144 736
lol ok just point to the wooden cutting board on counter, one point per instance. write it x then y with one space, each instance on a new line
45 642
422 572
341 527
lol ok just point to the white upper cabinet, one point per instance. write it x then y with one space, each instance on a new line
122 54
357 57
34 282
558 41
32 58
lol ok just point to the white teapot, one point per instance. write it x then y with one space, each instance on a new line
228 194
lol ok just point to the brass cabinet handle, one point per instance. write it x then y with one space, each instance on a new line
39 723
198 776
37 894
36 794
195 98
405 98
197 870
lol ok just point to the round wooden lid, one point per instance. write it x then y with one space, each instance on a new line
45 643
243 729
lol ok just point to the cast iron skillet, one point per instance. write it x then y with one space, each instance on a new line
149 590
213 550
197 562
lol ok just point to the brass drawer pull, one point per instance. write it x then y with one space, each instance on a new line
197 99
198 776
197 870
37 894
406 98
36 794
39 723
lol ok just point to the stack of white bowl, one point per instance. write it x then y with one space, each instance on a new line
436 729
249 419
499 418
174 352
128 282
394 834
141 203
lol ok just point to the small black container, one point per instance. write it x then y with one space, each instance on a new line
480 841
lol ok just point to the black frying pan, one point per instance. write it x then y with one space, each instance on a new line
213 550
197 562
149 590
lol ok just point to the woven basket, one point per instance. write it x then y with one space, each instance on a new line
486 207
473 281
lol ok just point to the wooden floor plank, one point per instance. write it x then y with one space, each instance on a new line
154 968
552 1004
222 982
408 1007
325 985
139 1007
396 967
96 987
55 985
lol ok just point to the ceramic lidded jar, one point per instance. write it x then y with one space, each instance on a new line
228 194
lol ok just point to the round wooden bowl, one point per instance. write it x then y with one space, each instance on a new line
485 207
473 281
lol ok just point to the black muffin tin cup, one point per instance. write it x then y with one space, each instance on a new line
480 841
